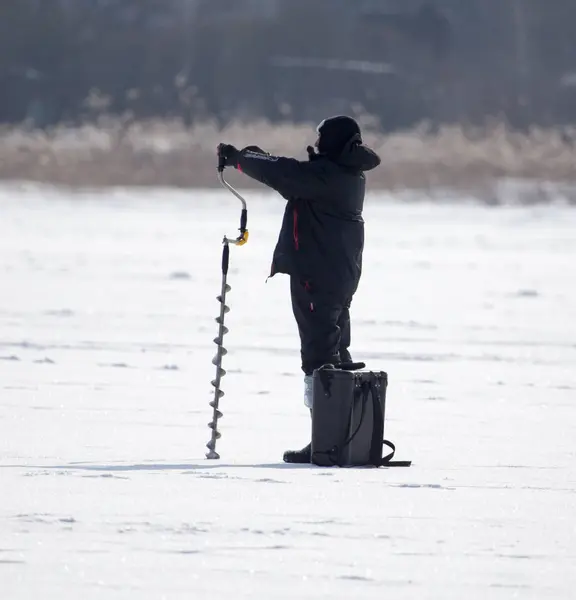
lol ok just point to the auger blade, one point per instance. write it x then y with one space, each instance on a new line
217 435
216 360
218 340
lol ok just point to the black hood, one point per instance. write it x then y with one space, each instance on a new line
355 156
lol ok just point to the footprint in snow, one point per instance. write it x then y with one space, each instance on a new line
180 275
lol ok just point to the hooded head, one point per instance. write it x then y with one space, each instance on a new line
340 140
334 133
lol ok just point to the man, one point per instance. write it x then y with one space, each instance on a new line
321 239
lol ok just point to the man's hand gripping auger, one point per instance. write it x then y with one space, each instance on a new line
222 330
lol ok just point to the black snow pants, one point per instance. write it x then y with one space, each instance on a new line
323 324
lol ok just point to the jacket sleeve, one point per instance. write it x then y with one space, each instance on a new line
288 176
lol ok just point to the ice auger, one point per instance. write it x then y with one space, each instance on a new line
222 330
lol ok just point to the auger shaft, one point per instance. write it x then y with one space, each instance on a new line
221 351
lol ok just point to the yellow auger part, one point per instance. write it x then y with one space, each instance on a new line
243 239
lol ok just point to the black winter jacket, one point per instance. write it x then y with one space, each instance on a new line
322 235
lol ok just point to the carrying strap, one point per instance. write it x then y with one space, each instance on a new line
378 440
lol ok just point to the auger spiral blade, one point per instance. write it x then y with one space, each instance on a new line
220 372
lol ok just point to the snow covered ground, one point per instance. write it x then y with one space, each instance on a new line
107 306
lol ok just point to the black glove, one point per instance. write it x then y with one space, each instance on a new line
312 154
227 155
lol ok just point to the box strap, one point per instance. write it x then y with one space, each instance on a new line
378 440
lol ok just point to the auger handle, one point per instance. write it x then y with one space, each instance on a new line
221 163
243 237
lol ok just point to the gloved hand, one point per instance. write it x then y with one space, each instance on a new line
227 155
312 154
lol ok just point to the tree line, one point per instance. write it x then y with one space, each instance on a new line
401 63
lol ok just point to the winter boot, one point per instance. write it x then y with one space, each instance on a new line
302 456
298 456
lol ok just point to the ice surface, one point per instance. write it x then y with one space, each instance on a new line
107 307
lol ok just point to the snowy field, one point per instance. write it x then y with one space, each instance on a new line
107 307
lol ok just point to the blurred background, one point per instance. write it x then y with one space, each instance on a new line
466 90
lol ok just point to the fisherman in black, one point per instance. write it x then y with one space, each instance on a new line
321 240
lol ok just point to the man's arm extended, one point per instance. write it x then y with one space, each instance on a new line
288 176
